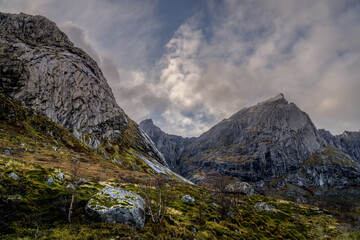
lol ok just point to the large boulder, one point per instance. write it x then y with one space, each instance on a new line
117 205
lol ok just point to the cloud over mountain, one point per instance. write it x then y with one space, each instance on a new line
223 57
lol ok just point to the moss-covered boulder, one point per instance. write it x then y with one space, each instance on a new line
117 205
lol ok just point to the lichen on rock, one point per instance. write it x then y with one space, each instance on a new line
117 205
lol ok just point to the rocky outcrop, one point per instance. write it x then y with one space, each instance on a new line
116 205
171 146
260 142
41 68
329 168
348 142
264 207
242 188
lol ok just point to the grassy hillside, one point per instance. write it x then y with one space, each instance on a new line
34 199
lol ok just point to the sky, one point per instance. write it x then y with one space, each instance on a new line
188 64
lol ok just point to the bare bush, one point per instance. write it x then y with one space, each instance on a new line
158 206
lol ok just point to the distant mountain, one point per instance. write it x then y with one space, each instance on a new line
257 143
274 146
40 68
170 145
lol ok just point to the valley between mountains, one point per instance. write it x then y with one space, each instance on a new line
74 165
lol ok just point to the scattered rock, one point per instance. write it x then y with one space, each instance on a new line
54 148
60 176
215 205
301 200
187 198
230 214
117 161
77 156
264 207
116 205
50 181
167 185
70 186
7 153
15 197
81 181
14 176
22 145
240 187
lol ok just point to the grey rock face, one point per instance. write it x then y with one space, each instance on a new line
171 146
30 28
257 143
116 205
348 142
41 68
329 168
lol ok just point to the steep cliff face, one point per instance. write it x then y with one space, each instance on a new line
348 142
41 68
257 143
171 146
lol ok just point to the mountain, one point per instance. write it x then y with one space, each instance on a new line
348 142
171 146
64 141
257 143
40 68
275 147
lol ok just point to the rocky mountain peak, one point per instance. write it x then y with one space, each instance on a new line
278 98
40 68
37 29
147 122
259 142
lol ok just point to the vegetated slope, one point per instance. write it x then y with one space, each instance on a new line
171 146
34 138
41 68
36 150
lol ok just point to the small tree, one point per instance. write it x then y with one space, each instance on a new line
72 190
158 207
225 200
